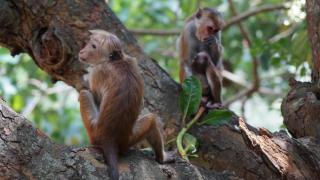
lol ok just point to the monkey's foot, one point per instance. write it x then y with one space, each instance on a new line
168 157
211 105
94 149
204 101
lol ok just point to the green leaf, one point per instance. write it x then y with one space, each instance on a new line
190 97
190 143
17 102
217 117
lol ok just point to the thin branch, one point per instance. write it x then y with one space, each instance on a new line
155 32
230 22
284 34
198 5
239 81
42 90
256 81
243 108
266 8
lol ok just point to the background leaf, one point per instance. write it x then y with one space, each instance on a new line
190 97
217 117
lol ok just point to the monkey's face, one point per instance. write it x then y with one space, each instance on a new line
102 46
208 23
91 53
200 62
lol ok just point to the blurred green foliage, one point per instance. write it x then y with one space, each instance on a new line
279 40
52 108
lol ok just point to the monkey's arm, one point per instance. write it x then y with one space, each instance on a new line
214 48
88 109
183 54
215 82
187 51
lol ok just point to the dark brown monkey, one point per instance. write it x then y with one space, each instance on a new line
210 77
202 34
111 106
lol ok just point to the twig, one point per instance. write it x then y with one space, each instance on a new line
243 108
239 81
284 34
42 91
256 81
230 22
183 131
199 2
155 32
266 8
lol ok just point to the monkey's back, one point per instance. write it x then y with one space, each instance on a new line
121 98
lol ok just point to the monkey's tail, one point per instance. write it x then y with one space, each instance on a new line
110 153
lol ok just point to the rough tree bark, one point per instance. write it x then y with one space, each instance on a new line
52 32
300 108
27 153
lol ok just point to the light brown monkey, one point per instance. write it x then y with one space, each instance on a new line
111 106
202 34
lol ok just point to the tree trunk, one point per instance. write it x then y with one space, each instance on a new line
313 20
52 32
300 108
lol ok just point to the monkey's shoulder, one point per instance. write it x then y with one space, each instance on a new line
126 66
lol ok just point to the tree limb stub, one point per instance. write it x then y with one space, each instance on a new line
256 153
279 153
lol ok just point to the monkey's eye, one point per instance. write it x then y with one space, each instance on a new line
94 46
198 15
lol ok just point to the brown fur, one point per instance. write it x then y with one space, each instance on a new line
111 106
201 34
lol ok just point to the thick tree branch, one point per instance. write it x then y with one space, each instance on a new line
300 108
27 153
52 32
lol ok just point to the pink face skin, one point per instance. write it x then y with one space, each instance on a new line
206 27
91 53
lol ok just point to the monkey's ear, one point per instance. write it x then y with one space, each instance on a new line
115 55
199 13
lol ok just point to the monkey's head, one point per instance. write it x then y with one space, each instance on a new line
208 22
102 46
200 62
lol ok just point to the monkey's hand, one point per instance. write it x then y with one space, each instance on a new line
211 40
84 93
